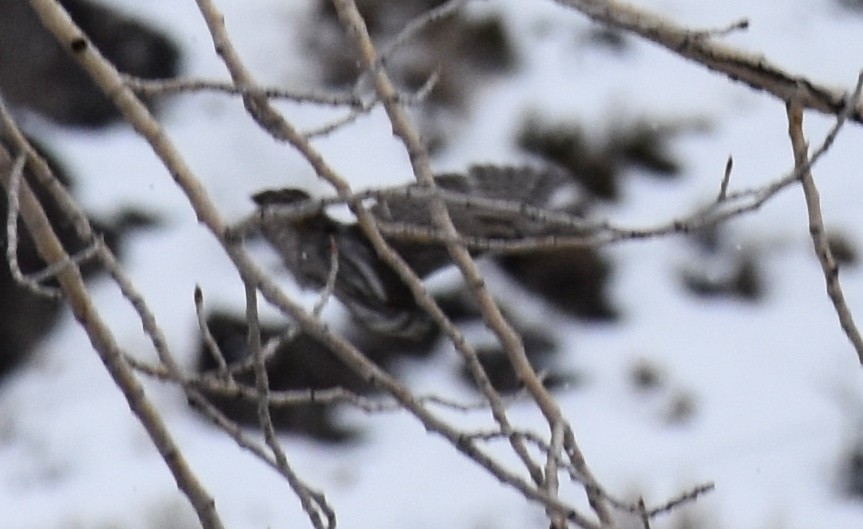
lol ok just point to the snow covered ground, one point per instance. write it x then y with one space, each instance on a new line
776 388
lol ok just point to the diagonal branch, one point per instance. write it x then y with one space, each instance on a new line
109 80
72 283
508 337
816 227
748 68
269 119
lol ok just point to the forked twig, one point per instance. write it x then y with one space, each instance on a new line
72 284
12 207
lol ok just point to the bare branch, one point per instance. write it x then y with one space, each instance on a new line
642 512
164 86
207 336
553 458
347 119
753 70
537 481
686 497
355 25
314 503
86 313
111 83
816 224
15 175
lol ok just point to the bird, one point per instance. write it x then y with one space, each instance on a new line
472 194
368 286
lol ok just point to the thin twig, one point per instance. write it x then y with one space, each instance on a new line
749 68
510 340
726 178
314 503
12 207
816 227
360 110
739 25
643 514
43 174
162 86
688 496
418 24
77 259
331 127
137 114
553 458
273 123
209 341
330 285
32 281
422 93
355 25
72 284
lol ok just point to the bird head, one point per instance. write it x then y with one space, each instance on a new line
285 196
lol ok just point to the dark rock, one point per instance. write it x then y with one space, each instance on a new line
25 319
722 268
539 348
612 39
843 250
568 147
852 471
643 146
37 73
458 305
742 281
597 166
300 363
573 280
855 6
646 376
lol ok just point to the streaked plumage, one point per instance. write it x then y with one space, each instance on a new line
373 292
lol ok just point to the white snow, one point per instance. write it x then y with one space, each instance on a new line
777 389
